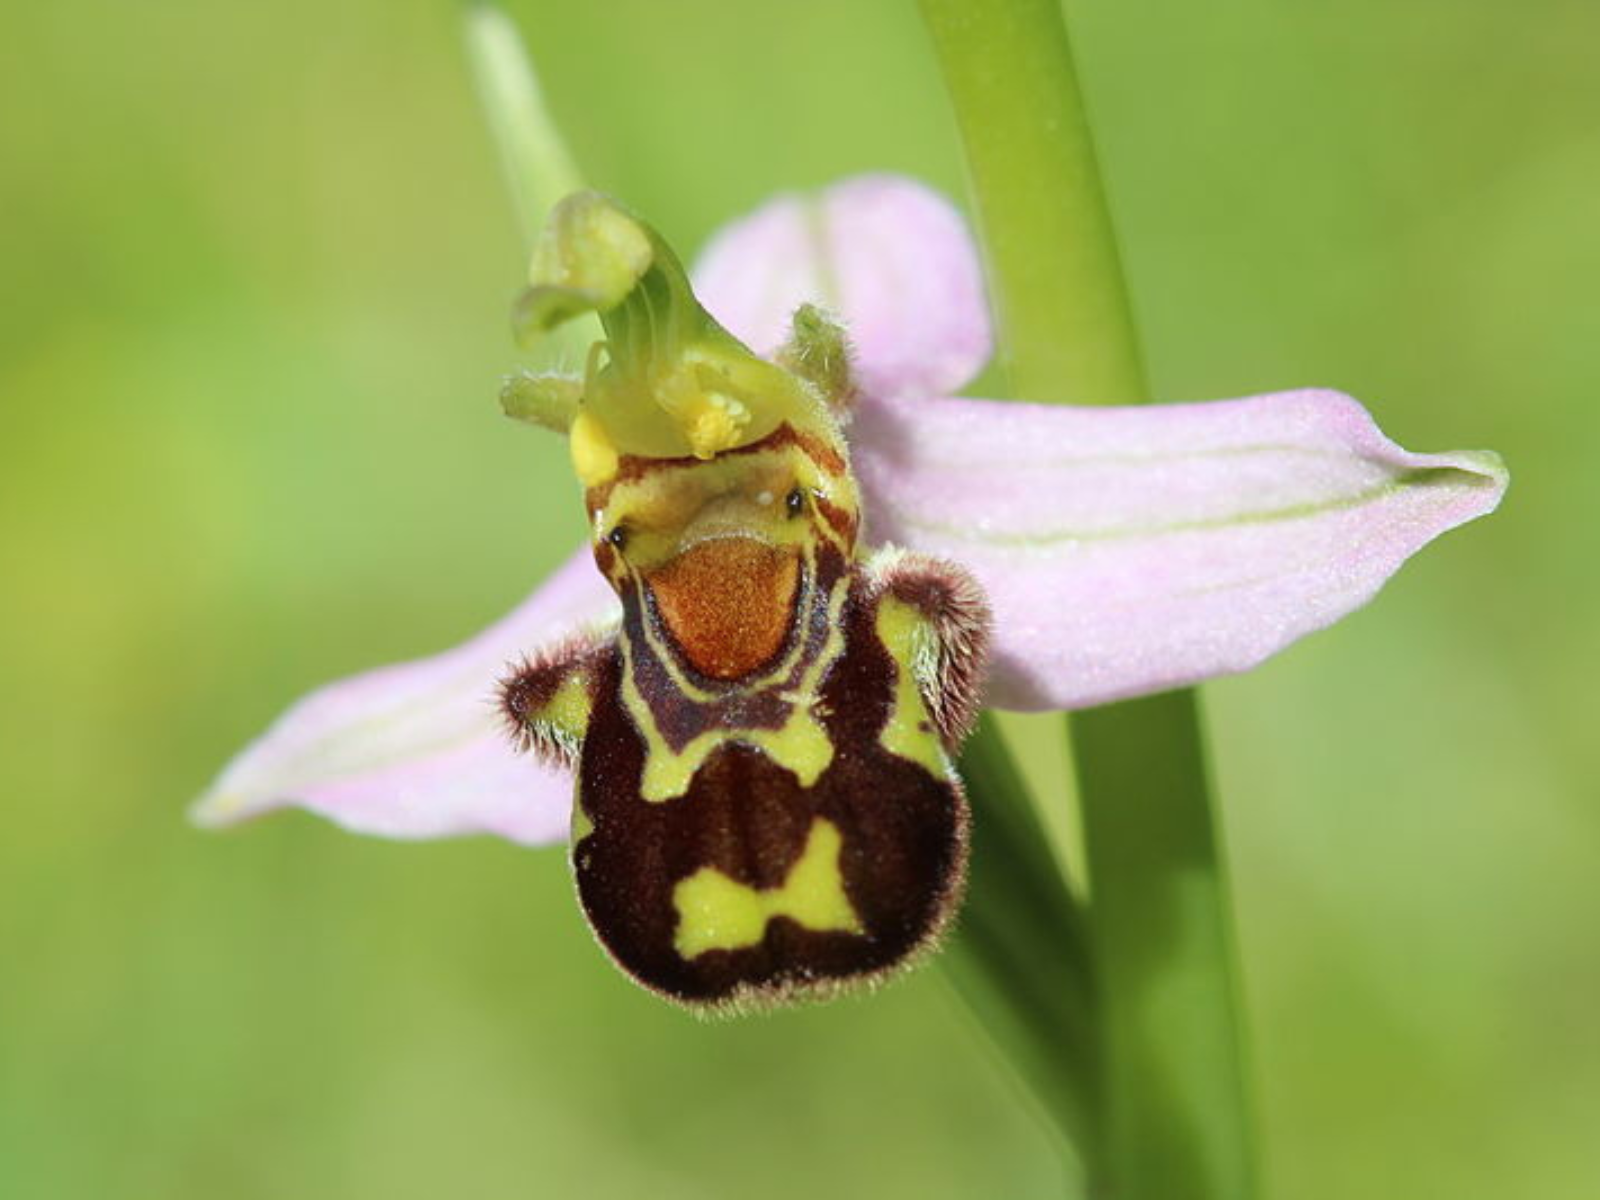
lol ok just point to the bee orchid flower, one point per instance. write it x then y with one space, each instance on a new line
1123 550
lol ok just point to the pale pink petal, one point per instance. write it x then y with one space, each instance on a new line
885 254
1130 550
416 750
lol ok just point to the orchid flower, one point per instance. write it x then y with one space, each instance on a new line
1124 550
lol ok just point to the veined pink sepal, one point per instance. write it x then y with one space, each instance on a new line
418 750
1131 550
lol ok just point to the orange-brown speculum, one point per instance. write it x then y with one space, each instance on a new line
728 603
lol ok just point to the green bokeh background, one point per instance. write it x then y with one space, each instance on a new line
256 261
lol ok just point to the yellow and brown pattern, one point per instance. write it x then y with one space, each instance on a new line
766 804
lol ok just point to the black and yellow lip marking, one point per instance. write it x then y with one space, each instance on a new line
766 808
717 912
677 706
816 887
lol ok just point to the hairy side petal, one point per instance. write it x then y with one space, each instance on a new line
418 750
886 254
1131 550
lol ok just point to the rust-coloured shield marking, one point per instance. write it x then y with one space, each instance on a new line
728 603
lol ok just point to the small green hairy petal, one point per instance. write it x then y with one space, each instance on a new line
818 351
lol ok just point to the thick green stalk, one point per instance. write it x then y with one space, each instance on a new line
1174 1118
1065 329
1177 1113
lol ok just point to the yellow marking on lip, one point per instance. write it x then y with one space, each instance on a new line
908 637
800 744
667 504
719 913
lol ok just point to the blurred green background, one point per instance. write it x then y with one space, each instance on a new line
256 262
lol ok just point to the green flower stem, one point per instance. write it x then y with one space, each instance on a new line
1066 330
1177 1113
538 167
537 164
1173 1114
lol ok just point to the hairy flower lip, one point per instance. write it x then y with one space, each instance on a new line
1125 550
